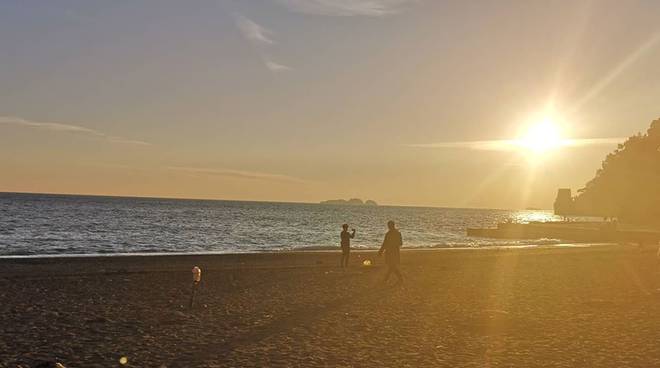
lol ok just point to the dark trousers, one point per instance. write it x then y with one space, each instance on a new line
393 269
345 253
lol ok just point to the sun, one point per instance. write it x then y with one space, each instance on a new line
541 137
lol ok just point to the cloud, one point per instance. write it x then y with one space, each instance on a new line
68 128
494 145
252 31
513 145
275 67
346 8
260 37
594 142
230 173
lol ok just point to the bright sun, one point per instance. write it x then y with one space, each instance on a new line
541 137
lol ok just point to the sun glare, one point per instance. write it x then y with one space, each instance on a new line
541 137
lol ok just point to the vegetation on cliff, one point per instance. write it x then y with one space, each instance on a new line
627 185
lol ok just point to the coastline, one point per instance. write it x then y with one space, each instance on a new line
319 249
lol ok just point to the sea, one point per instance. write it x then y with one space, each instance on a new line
37 225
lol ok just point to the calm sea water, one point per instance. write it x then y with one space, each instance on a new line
37 224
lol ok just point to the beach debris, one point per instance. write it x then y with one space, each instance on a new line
197 274
197 278
123 360
366 262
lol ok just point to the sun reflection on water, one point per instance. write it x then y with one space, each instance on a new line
534 216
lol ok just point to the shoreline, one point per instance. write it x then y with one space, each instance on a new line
328 249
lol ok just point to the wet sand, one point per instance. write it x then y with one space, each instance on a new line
458 308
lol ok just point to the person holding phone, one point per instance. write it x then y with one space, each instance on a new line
346 244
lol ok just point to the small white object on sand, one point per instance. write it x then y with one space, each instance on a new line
197 274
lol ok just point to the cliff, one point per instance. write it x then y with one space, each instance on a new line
627 184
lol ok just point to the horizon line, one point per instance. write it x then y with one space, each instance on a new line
253 201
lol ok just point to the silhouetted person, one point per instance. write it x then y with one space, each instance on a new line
346 244
391 246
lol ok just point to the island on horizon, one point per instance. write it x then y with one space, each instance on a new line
350 202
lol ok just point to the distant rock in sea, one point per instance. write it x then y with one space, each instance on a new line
350 202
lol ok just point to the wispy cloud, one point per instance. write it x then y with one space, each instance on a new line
260 37
68 128
275 67
512 145
594 142
494 145
346 8
253 31
254 175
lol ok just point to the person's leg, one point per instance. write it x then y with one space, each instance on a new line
347 255
398 274
387 273
341 262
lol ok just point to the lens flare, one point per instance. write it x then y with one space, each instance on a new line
541 137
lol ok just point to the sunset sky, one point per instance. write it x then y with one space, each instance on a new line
404 102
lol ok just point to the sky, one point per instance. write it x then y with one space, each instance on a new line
399 101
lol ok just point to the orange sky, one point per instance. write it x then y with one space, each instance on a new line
304 101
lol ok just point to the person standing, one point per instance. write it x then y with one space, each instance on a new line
346 244
391 247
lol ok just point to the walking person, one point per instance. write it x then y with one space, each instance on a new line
391 247
346 244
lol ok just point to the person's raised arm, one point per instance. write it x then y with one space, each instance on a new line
353 234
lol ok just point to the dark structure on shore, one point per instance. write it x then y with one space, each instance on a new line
627 186
564 205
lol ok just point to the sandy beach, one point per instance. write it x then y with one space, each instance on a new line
559 307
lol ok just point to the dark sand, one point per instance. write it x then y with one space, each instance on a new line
594 307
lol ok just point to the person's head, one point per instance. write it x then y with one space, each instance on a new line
390 225
344 226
